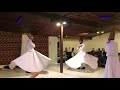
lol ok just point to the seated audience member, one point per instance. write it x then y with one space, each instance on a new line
72 52
104 53
103 58
99 55
93 52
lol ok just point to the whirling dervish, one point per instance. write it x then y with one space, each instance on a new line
112 68
32 61
82 58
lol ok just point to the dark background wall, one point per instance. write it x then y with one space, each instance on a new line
41 42
11 34
10 46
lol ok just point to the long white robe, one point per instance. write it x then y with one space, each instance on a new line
112 68
31 61
82 57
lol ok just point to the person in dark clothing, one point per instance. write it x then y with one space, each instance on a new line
72 52
104 53
99 55
104 58
93 52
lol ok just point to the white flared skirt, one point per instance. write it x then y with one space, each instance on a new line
112 68
31 61
82 57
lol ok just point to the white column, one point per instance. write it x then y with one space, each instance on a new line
23 44
53 49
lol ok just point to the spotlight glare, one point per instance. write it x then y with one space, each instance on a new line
98 32
58 24
64 23
102 32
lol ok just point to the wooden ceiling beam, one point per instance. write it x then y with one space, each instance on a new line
56 18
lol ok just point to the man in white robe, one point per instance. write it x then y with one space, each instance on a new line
112 68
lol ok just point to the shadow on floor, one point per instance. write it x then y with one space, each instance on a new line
44 72
86 70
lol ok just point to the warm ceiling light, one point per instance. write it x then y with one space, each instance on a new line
98 32
58 24
102 32
65 36
85 33
64 23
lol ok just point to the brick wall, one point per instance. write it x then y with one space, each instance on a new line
10 47
41 42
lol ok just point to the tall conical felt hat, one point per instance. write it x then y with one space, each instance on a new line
112 35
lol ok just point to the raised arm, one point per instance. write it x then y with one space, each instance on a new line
81 46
